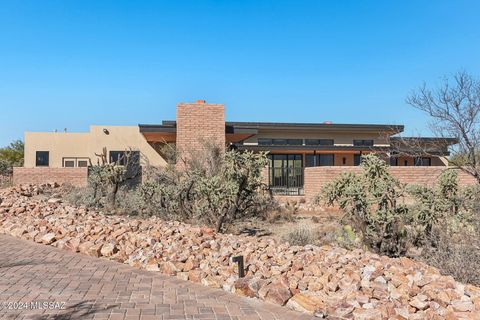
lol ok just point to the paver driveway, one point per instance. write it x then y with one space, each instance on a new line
92 288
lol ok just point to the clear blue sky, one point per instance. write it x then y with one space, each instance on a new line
69 64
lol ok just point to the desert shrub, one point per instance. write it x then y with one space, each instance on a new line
301 235
456 254
213 187
220 188
372 202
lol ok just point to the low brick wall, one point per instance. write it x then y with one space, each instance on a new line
39 175
317 177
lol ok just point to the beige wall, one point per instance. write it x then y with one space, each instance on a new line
85 144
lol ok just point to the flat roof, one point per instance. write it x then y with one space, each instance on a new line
170 126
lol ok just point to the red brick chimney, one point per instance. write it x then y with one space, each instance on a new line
198 123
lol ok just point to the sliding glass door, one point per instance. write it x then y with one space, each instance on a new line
286 173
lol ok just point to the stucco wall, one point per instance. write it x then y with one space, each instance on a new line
85 144
317 177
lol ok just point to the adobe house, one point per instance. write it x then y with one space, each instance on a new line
294 148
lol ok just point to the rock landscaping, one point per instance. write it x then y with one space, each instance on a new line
328 282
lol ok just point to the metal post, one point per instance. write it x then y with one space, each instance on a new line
239 261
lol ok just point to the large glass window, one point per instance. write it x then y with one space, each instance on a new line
42 159
314 160
326 159
357 159
363 143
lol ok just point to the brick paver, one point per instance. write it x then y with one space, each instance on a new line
94 288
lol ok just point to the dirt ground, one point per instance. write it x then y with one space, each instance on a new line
324 223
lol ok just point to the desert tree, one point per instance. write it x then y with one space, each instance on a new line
454 109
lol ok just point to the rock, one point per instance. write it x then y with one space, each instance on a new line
248 286
73 245
108 250
462 306
367 314
54 200
49 238
94 250
307 303
278 292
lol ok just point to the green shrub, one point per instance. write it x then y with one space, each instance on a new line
371 202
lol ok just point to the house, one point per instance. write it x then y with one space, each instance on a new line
291 147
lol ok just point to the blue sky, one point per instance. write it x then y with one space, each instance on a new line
69 64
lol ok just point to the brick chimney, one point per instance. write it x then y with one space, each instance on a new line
197 123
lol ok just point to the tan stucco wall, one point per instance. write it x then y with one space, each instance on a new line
85 144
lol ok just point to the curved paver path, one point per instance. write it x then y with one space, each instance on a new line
94 288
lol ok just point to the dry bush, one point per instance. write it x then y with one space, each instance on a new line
302 235
457 255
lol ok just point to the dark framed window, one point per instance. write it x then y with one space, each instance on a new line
357 159
265 142
42 158
315 160
363 143
319 142
279 142
405 163
326 159
310 160
82 163
295 142
69 163
119 157
393 161
423 162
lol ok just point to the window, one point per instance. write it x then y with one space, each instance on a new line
82 163
423 162
279 142
393 161
72 162
405 163
357 159
363 143
312 160
119 157
319 142
344 161
69 163
42 159
264 142
325 159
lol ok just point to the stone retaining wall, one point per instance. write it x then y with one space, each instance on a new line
42 175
